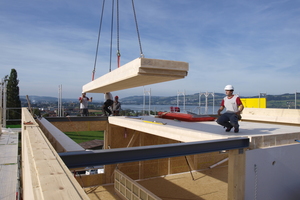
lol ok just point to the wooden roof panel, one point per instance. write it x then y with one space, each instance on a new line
139 72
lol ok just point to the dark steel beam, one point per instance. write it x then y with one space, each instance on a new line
121 155
76 119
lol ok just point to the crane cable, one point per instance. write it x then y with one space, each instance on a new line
111 33
100 26
118 36
137 30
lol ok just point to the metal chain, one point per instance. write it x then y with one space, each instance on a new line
255 184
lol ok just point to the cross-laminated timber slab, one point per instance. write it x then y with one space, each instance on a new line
139 72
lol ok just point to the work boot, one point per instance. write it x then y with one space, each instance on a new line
228 129
236 129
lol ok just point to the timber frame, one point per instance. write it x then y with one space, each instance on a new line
42 165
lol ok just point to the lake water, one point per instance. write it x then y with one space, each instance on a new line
156 108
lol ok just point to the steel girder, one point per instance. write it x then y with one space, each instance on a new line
121 155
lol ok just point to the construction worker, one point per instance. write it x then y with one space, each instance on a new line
234 107
116 106
106 107
83 100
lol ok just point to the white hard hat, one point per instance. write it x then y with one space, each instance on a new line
228 87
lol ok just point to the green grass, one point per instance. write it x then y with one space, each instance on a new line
84 136
13 126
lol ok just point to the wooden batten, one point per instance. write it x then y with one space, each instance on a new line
139 72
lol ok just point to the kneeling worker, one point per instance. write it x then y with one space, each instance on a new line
234 107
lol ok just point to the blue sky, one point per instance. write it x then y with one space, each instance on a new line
253 45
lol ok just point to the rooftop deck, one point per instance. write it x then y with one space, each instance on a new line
200 131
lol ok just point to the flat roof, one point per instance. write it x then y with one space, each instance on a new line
198 131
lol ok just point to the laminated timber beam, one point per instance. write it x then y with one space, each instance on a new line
44 175
131 154
139 72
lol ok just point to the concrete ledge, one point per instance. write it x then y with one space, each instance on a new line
289 116
139 72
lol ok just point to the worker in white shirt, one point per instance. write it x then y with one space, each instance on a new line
83 100
106 107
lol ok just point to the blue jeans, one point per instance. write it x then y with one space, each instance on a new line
228 120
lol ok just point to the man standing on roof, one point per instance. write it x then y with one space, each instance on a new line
84 104
234 107
116 106
106 107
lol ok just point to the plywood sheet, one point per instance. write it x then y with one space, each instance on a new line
139 72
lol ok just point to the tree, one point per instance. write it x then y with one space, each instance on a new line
13 98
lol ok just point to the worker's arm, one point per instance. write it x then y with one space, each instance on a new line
91 99
240 109
220 110
240 106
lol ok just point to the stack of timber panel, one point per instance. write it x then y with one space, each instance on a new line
45 175
273 115
8 165
139 72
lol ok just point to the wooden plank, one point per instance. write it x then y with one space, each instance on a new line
274 115
139 72
236 174
45 176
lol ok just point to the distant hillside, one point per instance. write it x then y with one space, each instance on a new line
273 101
45 99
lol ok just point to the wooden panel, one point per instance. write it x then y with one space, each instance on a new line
91 180
139 72
236 174
274 140
75 126
45 175
290 116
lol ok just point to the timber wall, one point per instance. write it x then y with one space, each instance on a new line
120 137
75 124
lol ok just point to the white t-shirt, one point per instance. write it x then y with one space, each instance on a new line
107 96
231 104
84 102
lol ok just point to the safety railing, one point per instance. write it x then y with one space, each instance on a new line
129 189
